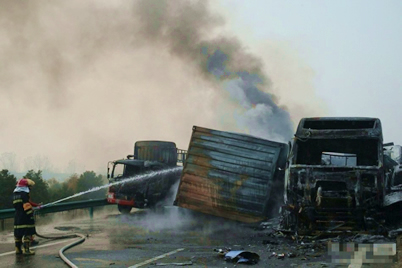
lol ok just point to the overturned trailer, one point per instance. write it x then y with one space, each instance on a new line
335 175
231 175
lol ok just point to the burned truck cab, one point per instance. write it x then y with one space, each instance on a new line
334 176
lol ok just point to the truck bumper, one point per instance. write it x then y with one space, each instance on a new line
111 198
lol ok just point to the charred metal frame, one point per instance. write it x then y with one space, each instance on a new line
317 196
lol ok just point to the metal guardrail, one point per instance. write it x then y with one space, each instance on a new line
9 213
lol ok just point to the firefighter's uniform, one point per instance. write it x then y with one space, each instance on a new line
24 222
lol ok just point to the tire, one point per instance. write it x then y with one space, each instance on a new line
124 209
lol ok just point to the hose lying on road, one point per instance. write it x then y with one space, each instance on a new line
61 251
57 237
64 258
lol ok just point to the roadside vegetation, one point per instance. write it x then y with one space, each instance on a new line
51 190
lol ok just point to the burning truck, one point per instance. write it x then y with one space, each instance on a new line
335 175
330 177
148 158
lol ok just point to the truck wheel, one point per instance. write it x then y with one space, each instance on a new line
124 209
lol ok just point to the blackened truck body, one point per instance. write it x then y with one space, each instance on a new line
231 175
335 174
149 156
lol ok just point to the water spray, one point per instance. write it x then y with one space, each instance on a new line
135 178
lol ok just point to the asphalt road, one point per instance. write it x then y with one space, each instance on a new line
168 237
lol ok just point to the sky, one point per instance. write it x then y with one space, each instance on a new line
80 82
353 48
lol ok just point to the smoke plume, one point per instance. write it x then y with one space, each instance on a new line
224 58
81 81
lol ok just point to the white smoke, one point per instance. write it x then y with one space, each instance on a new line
82 81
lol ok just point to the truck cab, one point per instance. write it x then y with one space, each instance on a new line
140 186
335 174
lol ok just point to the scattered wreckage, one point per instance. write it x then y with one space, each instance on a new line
334 184
334 176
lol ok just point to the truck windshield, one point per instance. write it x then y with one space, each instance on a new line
339 152
122 170
118 170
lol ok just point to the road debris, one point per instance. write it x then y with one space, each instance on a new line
281 256
222 252
241 256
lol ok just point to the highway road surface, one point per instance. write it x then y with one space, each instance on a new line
168 237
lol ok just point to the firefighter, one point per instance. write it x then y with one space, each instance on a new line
24 222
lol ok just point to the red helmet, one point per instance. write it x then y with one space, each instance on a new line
25 183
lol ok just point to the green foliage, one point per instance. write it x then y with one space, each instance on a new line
7 182
75 184
89 180
40 192
59 190
54 185
52 190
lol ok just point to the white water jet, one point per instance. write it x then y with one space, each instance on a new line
135 178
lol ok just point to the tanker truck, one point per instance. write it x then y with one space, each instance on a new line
148 157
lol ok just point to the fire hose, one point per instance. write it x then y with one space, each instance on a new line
61 251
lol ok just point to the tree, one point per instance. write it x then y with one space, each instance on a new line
55 188
40 192
73 182
59 190
54 184
7 182
89 180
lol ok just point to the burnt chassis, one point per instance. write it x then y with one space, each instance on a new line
332 198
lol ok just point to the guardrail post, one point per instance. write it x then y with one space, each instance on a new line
91 212
2 225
